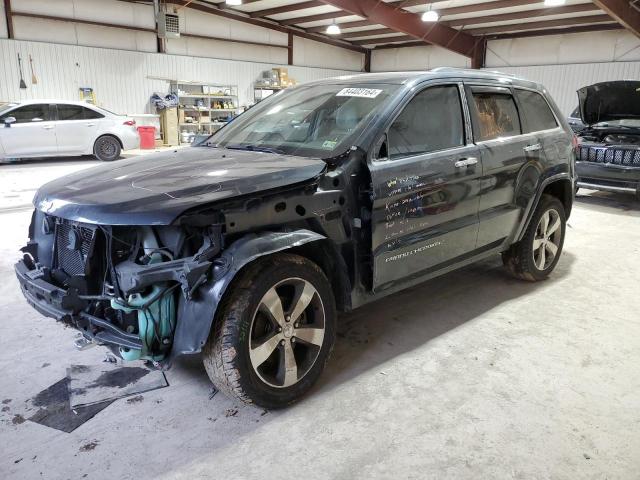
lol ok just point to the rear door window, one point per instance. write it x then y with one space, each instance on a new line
29 113
70 112
493 114
431 121
76 112
536 113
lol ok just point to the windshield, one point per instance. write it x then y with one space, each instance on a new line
311 121
7 106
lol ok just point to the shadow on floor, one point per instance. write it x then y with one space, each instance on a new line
608 202
395 325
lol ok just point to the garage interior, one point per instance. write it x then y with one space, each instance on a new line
470 375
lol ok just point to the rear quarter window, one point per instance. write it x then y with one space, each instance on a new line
536 113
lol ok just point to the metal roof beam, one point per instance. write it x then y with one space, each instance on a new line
525 14
557 31
410 24
624 12
516 27
481 7
267 12
383 40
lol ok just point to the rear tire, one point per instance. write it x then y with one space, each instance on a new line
273 332
535 256
107 148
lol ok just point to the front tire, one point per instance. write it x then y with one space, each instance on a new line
107 148
535 256
273 332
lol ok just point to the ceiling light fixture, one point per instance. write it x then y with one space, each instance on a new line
333 29
430 15
233 3
554 3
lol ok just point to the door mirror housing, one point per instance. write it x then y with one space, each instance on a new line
8 121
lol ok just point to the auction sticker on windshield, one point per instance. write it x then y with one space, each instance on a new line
359 92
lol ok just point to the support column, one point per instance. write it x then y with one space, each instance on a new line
9 18
479 54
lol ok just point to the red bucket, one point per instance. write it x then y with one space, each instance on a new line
147 137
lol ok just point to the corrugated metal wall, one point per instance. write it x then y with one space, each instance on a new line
306 53
120 78
562 81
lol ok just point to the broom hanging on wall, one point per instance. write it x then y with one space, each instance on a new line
34 79
22 84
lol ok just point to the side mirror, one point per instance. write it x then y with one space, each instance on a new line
37 119
8 121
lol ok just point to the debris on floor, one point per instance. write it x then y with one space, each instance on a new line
98 383
86 390
87 447
213 392
231 412
54 408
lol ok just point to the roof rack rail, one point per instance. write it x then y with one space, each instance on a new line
471 70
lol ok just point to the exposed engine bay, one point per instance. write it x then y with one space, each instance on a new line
611 136
124 283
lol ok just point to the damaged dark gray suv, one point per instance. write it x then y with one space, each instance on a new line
320 199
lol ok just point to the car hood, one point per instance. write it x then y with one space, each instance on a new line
155 189
607 101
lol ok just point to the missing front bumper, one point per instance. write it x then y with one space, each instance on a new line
55 302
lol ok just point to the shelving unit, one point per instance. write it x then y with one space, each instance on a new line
209 106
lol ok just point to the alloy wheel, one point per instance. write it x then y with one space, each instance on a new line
546 241
287 332
107 149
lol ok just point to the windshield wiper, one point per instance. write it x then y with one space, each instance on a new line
253 148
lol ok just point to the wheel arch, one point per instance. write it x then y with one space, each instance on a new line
564 191
195 317
559 186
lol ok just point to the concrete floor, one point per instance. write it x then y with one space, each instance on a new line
473 375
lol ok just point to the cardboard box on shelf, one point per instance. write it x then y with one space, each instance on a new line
281 74
169 125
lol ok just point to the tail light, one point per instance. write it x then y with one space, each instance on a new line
130 123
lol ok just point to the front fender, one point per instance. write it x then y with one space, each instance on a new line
196 316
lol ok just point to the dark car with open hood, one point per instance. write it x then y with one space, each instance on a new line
320 199
608 152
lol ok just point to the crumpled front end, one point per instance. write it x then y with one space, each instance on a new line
120 286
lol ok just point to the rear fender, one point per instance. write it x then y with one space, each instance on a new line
196 316
533 204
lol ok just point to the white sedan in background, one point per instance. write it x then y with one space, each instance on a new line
56 128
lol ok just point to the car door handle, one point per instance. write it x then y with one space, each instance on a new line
466 162
91 124
47 127
532 148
